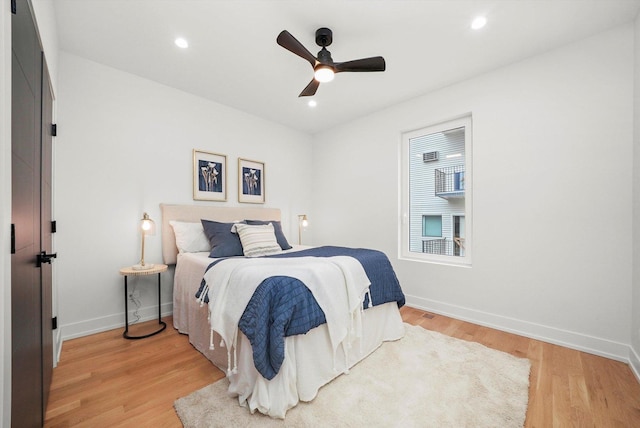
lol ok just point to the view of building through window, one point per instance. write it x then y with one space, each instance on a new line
436 212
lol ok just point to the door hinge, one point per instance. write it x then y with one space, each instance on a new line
54 323
43 257
13 238
54 227
13 7
54 129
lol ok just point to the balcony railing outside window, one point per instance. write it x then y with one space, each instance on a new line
449 181
444 246
437 246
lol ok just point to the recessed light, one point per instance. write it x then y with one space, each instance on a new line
312 103
182 43
478 22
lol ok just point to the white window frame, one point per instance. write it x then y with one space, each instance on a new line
403 241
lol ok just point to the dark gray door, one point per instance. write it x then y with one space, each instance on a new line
46 186
30 301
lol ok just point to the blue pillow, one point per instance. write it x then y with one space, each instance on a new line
224 243
277 227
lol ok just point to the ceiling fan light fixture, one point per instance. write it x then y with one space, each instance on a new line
323 73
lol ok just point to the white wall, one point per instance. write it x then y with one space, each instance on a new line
634 356
124 146
47 29
552 162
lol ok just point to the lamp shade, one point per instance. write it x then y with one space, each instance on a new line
147 227
303 222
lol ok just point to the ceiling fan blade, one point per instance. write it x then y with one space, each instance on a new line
311 89
290 43
375 63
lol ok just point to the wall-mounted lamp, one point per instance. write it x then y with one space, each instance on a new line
302 223
147 227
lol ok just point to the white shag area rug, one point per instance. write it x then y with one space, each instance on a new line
425 379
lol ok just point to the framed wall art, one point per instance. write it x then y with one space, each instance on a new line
250 181
209 176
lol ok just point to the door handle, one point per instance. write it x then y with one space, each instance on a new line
43 257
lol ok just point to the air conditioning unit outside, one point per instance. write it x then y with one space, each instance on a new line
430 156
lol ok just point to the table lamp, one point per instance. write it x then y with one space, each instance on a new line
302 223
147 227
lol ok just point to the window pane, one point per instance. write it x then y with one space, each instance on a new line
435 196
432 225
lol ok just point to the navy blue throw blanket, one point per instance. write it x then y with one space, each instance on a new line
282 306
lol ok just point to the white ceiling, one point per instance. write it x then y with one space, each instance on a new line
234 60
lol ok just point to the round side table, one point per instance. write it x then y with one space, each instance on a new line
130 271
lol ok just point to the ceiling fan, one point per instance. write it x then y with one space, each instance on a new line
323 66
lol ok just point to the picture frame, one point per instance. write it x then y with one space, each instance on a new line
251 181
209 176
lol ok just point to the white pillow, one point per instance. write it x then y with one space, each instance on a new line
257 240
190 237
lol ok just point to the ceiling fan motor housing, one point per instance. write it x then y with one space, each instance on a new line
324 36
324 57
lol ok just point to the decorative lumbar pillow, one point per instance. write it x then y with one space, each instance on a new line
257 240
224 243
277 226
190 237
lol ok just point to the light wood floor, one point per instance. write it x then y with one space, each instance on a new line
107 381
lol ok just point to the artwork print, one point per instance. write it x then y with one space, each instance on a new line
209 176
251 181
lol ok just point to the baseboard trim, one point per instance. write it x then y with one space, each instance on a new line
585 343
634 362
110 322
581 342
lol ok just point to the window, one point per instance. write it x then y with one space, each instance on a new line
432 225
436 193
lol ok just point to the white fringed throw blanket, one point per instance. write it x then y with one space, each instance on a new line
338 284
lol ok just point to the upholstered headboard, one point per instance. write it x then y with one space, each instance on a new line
195 213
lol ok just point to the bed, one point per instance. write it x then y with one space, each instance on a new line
310 360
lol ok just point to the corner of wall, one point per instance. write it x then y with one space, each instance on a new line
635 274
5 215
45 16
634 363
